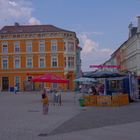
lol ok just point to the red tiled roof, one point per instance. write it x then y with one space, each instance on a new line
31 29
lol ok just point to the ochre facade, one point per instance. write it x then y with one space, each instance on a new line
20 74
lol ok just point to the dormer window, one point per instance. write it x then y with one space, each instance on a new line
20 30
4 31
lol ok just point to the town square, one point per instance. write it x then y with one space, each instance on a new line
69 70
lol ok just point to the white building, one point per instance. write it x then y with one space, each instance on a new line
127 56
130 50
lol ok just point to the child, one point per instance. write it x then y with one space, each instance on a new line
45 102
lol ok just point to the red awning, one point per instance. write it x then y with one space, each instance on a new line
50 78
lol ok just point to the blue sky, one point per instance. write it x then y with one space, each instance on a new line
101 25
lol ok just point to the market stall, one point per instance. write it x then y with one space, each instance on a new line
118 88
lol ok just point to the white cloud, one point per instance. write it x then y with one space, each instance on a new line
88 45
34 21
93 33
92 53
16 11
13 3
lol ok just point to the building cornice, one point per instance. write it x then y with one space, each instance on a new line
64 35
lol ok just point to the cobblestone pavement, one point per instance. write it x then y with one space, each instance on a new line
21 118
21 115
96 117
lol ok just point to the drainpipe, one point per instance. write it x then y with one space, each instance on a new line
138 28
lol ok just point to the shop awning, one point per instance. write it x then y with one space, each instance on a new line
101 74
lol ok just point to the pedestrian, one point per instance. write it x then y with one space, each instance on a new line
59 96
45 102
80 88
43 93
94 91
54 97
15 89
90 90
101 89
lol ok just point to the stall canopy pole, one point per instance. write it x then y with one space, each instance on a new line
104 86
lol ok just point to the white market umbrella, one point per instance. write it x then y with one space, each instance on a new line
85 80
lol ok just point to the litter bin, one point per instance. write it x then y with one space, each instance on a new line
11 89
82 102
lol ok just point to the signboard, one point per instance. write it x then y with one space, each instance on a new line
34 74
105 66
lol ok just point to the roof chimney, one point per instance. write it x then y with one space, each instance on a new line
130 28
16 24
138 28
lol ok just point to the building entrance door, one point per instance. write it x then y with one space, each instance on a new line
5 83
69 77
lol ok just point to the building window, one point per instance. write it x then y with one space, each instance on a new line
54 61
5 47
115 84
70 47
54 46
42 46
42 62
29 47
5 63
54 85
16 47
29 63
71 62
17 63
65 48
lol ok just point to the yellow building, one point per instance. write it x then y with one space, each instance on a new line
27 51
